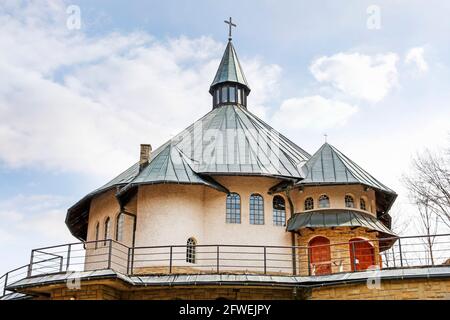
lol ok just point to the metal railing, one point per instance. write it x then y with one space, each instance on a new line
356 255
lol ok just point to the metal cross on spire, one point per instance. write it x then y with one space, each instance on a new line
230 25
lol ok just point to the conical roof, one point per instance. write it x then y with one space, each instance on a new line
230 69
330 166
232 140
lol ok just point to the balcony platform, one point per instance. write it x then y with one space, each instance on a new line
37 282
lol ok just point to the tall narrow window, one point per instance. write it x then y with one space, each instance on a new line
107 230
232 94
349 202
217 96
233 208
279 211
239 98
224 94
362 204
256 209
97 234
309 203
119 230
190 250
324 201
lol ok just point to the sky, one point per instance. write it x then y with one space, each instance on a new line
84 83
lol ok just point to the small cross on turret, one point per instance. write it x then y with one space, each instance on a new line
230 25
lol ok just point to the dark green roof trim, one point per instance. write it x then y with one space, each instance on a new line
331 218
326 218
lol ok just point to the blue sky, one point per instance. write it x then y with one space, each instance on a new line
76 104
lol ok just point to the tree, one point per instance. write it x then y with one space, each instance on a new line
429 223
429 183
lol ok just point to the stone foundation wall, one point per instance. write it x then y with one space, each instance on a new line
390 290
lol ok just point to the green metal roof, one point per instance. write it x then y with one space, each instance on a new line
330 166
230 69
230 140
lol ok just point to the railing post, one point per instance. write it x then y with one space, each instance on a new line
61 262
265 260
400 251
218 260
354 257
109 254
309 260
132 261
6 282
68 257
170 259
393 255
128 261
30 266
294 261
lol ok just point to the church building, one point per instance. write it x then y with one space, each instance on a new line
229 208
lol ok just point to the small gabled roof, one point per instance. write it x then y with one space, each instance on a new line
230 69
330 166
169 165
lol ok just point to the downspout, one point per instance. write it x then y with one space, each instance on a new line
291 208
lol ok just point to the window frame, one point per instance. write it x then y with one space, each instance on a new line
346 202
362 203
311 202
256 210
233 214
278 215
323 196
120 226
191 244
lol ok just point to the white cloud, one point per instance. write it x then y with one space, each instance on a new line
72 102
416 56
38 216
314 112
358 75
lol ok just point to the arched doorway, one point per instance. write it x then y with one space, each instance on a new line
364 253
319 256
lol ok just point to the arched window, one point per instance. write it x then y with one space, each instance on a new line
120 223
349 202
97 234
324 201
107 231
309 203
362 204
256 209
319 256
279 211
190 250
107 228
233 208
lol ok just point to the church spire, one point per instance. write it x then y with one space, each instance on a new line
229 85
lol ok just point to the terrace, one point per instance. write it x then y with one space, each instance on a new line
288 265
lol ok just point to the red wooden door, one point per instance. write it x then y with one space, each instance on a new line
320 256
363 252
